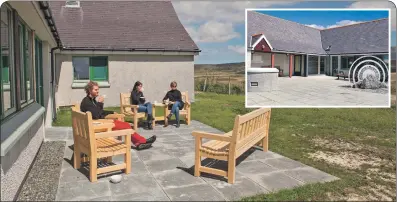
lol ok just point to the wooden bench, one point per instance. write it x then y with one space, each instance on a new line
249 130
98 145
342 74
129 110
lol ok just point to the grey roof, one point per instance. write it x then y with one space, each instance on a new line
368 37
255 38
284 35
121 25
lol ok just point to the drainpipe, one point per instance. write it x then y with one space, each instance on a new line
53 73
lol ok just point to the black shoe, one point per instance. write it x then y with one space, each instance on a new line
150 125
177 124
144 146
151 139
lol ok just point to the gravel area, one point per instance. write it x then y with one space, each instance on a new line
380 90
42 181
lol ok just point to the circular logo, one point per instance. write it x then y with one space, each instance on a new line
368 65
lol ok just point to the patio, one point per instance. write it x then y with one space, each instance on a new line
317 91
163 172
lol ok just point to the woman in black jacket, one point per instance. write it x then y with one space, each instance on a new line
175 96
137 98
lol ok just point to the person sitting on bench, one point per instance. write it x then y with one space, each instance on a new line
137 98
94 104
175 96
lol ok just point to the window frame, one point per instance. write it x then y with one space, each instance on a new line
72 6
4 113
90 69
19 47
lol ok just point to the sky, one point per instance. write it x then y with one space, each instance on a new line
218 27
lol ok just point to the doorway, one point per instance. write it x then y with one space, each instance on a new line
297 65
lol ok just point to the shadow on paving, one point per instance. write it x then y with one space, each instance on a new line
217 164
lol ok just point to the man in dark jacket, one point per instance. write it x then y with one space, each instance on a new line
175 96
89 103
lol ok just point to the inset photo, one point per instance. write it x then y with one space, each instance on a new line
318 58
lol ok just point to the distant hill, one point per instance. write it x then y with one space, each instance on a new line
235 67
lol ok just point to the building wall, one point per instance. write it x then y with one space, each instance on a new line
24 129
46 83
282 61
260 59
262 46
15 164
154 71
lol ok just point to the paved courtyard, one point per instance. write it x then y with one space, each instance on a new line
165 172
317 91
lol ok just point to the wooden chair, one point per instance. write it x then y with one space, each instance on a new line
99 145
249 130
185 112
127 109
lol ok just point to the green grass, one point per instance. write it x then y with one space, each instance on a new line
370 131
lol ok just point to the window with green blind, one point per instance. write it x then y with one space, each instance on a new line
93 68
5 70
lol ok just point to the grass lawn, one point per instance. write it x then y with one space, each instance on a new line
356 145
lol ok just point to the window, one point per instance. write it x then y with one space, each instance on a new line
72 4
90 68
334 64
313 64
7 86
25 53
16 63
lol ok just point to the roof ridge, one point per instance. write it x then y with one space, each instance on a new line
356 23
289 21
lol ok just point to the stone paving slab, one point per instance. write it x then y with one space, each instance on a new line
317 91
165 172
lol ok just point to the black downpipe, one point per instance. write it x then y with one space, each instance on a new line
53 73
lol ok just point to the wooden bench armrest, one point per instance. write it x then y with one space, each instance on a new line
132 106
115 116
103 126
188 103
212 136
116 133
103 120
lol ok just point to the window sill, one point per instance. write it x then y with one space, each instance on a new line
6 87
82 84
15 128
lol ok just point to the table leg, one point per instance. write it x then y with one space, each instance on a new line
165 116
154 115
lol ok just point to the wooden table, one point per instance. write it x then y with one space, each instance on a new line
160 118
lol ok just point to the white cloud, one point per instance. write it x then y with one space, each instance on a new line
378 4
237 48
225 11
212 31
338 24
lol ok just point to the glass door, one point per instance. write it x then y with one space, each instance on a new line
39 71
297 65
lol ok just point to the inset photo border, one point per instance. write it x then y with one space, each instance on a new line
318 58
